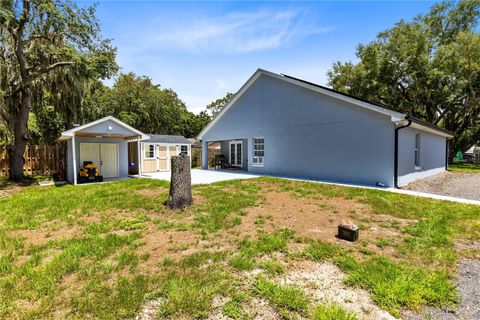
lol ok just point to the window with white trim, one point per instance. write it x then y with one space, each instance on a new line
258 151
184 149
417 150
149 151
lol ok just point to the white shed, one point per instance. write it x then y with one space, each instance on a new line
103 142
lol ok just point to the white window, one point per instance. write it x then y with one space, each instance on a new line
149 150
417 151
258 151
183 149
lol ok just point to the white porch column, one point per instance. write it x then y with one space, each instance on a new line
140 163
74 158
204 154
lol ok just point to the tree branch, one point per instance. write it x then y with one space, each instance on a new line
54 66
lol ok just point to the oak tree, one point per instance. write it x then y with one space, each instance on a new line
47 47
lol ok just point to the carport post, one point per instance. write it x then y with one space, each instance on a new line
139 164
204 154
74 158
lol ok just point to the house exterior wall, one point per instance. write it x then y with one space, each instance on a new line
309 135
432 155
122 154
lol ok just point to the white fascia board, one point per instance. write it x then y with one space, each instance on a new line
395 116
431 130
70 133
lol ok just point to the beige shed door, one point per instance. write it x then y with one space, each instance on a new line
172 151
162 158
109 160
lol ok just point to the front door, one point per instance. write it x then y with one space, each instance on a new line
108 160
236 153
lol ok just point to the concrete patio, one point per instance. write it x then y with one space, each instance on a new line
200 176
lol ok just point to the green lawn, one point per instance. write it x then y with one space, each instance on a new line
102 251
465 167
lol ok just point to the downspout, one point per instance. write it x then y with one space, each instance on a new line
395 165
447 145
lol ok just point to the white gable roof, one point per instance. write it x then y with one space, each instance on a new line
70 133
395 116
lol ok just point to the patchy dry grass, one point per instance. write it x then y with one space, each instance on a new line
103 251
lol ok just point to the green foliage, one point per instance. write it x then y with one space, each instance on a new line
222 205
60 52
117 301
332 312
467 167
243 261
281 296
395 286
234 310
191 292
216 106
320 251
137 101
428 68
272 267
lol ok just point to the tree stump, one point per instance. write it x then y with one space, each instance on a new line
180 195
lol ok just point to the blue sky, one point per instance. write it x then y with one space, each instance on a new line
204 49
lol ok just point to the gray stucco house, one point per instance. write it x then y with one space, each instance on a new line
281 125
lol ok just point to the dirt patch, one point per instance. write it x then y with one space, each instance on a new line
319 219
324 283
454 184
159 244
48 232
8 188
154 192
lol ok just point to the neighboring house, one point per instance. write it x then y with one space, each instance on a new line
105 143
284 126
113 146
158 149
473 154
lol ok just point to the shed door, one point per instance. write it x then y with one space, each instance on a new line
162 158
109 160
172 151
90 152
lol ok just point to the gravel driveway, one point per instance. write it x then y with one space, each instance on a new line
454 184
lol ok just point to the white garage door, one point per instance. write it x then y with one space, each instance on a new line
103 155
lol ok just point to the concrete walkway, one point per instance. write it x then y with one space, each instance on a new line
205 176
200 176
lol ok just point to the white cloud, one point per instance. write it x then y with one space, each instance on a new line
233 33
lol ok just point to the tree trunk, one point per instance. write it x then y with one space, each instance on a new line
21 138
180 195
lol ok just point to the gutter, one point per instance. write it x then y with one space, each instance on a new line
395 165
447 145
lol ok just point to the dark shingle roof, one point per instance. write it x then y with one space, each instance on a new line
160 138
